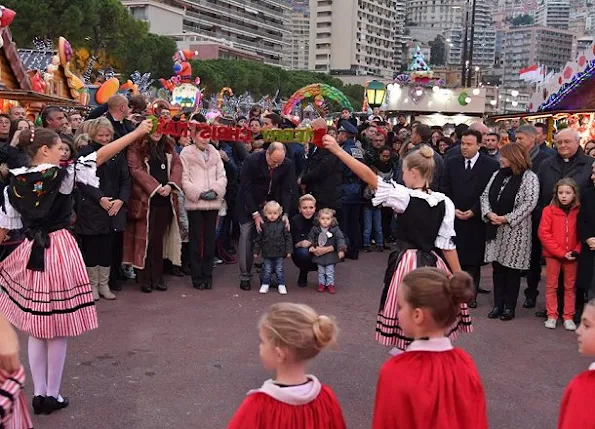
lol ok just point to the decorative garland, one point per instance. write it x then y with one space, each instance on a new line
568 87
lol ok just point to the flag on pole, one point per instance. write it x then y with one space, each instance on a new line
531 74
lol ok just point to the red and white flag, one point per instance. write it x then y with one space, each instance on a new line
532 73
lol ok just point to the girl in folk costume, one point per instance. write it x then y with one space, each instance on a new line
291 335
576 408
153 232
13 407
46 288
431 384
425 221
101 212
561 246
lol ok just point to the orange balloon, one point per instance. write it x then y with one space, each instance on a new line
126 86
109 88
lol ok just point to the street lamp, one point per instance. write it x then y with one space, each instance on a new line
375 93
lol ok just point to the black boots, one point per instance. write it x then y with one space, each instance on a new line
495 313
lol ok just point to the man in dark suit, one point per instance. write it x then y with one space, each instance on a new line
323 177
265 176
465 179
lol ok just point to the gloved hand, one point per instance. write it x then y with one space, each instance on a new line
209 195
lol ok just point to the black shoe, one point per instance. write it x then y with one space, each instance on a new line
472 304
352 255
367 249
146 288
209 284
380 248
176 271
577 319
495 313
541 313
529 303
38 404
186 270
198 285
161 286
303 278
480 290
245 285
52 404
507 315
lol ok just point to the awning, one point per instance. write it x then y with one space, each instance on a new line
35 97
533 116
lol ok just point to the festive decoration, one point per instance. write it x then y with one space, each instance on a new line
225 89
75 84
143 82
109 88
182 67
314 90
186 95
463 98
418 64
6 18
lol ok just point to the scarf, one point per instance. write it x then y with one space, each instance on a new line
502 195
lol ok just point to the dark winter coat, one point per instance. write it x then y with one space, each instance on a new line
465 188
586 229
352 185
300 228
335 238
114 182
121 128
274 241
259 184
436 184
551 171
323 176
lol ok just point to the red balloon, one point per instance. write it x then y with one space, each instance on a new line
582 60
567 73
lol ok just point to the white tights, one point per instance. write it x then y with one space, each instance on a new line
47 357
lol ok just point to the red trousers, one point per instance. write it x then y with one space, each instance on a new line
553 267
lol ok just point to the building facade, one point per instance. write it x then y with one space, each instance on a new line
553 13
260 27
299 47
526 46
353 37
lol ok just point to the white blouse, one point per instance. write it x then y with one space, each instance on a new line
397 197
84 171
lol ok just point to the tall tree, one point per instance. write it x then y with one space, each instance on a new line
438 51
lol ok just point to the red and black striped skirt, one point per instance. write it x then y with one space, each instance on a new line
388 330
56 302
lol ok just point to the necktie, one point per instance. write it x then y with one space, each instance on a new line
468 165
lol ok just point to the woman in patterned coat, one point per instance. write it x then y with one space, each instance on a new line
506 206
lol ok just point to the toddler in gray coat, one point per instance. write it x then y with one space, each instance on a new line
275 243
327 244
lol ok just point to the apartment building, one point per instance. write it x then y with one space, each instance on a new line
553 13
353 37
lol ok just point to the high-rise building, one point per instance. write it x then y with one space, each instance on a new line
300 37
450 17
553 13
526 46
353 37
400 38
259 27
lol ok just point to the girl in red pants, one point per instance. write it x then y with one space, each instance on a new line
561 246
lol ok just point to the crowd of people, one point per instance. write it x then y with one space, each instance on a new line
452 198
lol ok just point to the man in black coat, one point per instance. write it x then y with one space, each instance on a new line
465 178
265 176
323 177
569 161
116 110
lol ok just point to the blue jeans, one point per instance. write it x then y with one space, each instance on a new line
326 274
373 221
270 264
302 258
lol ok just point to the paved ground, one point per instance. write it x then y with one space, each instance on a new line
186 358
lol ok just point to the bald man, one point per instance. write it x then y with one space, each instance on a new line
117 111
265 176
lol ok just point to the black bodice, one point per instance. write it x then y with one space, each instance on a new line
419 224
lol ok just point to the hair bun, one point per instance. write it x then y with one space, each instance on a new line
325 331
426 151
460 287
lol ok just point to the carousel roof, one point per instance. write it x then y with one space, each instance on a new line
35 60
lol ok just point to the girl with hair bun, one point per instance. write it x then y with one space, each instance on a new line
291 335
425 222
431 384
45 287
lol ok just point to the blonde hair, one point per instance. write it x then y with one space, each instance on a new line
306 197
96 124
329 212
272 205
422 160
565 181
298 328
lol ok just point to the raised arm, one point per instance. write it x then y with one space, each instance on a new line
109 150
360 169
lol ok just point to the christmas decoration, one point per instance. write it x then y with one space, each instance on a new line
418 64
314 90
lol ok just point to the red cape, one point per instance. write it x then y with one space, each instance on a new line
261 411
575 410
430 390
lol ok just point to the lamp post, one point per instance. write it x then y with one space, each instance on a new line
467 60
375 93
